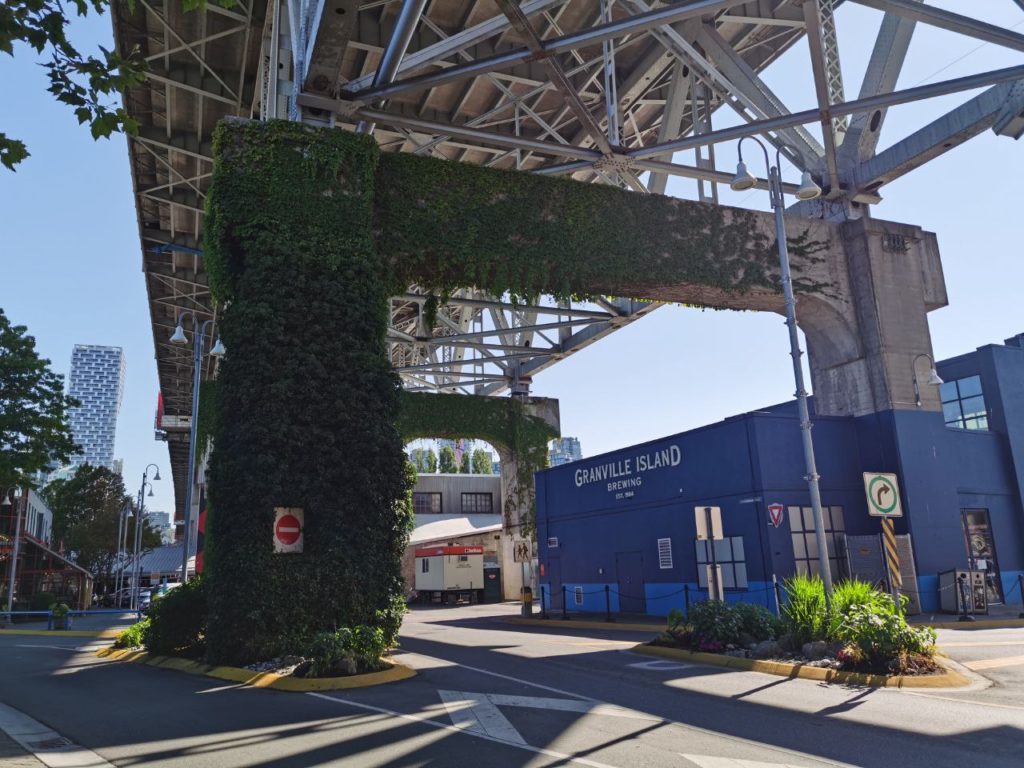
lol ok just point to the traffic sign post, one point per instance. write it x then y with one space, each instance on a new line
289 523
883 495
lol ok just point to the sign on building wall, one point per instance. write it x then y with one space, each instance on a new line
775 514
288 528
883 494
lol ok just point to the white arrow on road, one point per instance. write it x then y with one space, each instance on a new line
479 713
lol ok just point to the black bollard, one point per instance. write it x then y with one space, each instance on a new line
565 612
686 599
607 604
1020 588
778 596
543 608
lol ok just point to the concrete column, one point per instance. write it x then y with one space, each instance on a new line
863 347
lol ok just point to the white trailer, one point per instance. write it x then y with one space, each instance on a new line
447 573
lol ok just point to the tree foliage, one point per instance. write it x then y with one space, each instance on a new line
482 462
424 459
447 463
33 409
86 515
89 84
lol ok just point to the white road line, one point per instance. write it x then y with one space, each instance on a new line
660 666
473 713
47 745
445 727
708 761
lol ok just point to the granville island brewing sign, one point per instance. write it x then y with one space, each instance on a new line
627 473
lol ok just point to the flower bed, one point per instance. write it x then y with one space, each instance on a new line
862 631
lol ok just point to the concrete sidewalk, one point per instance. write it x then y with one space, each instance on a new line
13 755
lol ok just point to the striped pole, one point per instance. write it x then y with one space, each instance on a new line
892 559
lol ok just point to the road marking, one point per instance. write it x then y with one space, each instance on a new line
55 647
472 712
1007 661
444 726
685 726
981 644
660 666
48 746
479 713
220 688
708 761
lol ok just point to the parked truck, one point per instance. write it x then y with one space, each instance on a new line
450 574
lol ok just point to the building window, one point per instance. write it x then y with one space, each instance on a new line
476 503
664 554
425 567
963 404
426 503
729 555
805 543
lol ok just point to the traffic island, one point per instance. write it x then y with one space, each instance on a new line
394 673
947 678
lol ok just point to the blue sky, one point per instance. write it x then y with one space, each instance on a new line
70 260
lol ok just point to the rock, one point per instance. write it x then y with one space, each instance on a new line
344 667
835 647
302 669
739 653
788 643
766 649
816 649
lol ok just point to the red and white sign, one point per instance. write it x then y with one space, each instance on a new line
439 551
775 514
288 525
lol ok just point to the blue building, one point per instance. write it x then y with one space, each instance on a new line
627 519
564 450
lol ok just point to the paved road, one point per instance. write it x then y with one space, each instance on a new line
998 654
495 694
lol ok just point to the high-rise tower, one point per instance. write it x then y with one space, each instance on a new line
97 382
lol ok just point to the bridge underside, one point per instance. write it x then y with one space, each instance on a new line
604 92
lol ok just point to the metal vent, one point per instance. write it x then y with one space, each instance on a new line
577 595
664 553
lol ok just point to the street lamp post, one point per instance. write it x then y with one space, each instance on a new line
140 521
933 376
808 190
122 531
14 544
197 368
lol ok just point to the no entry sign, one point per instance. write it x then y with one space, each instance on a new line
288 525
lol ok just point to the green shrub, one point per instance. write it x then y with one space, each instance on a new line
715 622
60 610
361 645
177 621
757 623
675 619
132 637
850 593
41 601
883 635
803 611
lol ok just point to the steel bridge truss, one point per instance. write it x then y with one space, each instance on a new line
605 91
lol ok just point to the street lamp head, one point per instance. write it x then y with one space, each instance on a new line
157 475
743 180
218 349
934 378
5 503
150 491
178 337
807 190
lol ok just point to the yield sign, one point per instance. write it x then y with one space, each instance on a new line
775 514
479 713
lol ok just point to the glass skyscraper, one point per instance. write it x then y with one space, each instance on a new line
564 450
97 382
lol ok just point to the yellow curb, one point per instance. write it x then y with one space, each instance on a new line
979 624
395 673
572 624
948 679
62 632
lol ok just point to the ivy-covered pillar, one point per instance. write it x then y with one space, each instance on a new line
306 399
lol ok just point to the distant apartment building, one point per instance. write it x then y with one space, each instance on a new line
161 521
563 450
97 382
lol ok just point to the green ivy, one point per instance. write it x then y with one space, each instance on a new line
306 399
501 421
308 232
444 225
